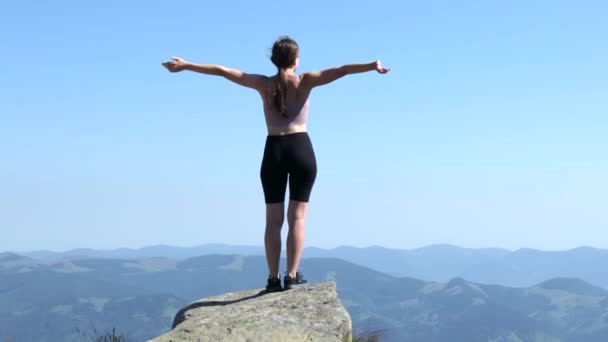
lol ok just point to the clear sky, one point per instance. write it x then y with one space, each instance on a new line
490 131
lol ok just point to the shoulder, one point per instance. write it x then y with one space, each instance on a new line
307 79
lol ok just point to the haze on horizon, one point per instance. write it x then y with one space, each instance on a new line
490 131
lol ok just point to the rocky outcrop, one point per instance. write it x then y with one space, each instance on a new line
307 313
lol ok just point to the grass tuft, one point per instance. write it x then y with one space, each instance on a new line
112 336
368 336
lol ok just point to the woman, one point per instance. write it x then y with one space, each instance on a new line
288 152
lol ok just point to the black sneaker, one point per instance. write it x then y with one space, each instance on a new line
290 283
274 285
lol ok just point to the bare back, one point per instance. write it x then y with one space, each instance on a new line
297 107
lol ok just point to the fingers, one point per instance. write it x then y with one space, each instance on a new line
382 70
175 65
171 66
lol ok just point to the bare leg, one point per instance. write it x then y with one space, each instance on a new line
296 216
272 236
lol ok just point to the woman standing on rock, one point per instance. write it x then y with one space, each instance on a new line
288 150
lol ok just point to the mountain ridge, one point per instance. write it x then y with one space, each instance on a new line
440 262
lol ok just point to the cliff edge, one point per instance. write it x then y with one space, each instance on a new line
307 313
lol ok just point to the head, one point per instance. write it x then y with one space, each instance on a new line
285 53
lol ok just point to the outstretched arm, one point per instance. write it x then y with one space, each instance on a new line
319 78
246 80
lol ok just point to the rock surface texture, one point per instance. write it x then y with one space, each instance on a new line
307 313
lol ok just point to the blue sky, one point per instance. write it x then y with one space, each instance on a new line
491 129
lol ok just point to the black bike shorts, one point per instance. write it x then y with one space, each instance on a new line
288 155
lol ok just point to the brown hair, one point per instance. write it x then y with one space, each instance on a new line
284 54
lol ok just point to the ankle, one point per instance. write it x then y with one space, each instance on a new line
291 274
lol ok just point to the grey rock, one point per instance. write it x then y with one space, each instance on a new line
306 313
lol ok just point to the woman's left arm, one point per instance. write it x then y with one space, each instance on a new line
241 78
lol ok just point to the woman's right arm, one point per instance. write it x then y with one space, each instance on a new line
241 78
319 78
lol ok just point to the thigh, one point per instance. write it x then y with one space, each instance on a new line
273 174
302 169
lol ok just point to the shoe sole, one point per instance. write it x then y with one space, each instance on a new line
292 286
274 289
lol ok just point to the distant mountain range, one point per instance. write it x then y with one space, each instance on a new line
520 268
58 300
170 252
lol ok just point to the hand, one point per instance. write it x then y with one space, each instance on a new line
380 69
177 65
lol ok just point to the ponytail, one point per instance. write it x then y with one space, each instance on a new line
284 55
280 95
